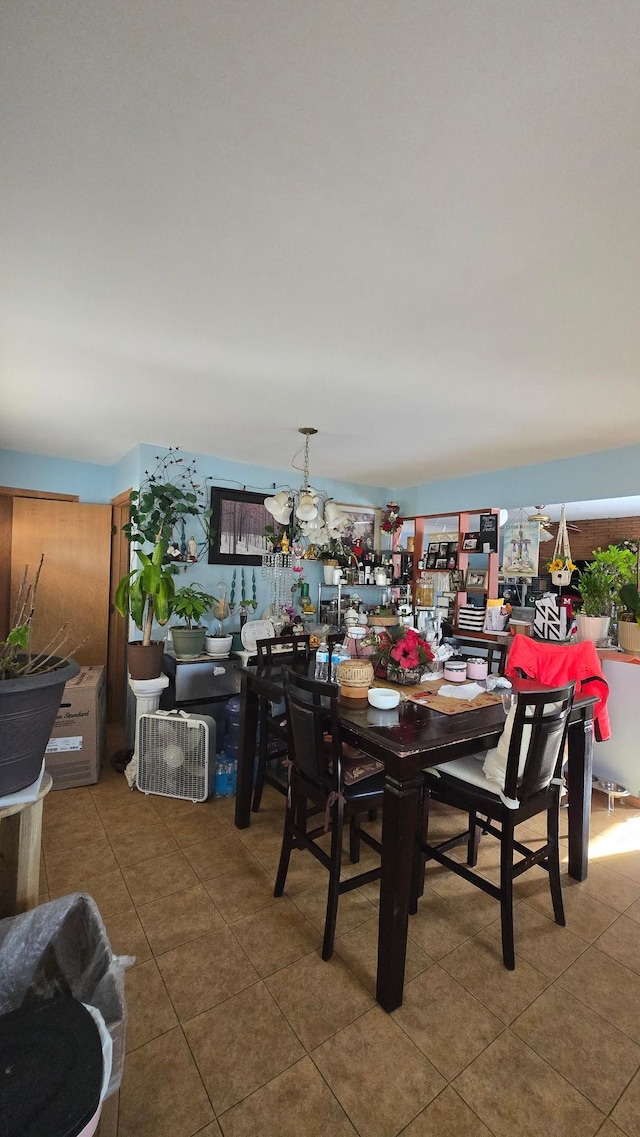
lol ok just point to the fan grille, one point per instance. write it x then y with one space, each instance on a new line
173 756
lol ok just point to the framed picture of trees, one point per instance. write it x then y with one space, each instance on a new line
238 521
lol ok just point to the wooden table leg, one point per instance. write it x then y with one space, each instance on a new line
246 752
20 836
579 771
400 811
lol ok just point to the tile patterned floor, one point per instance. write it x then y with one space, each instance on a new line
238 1029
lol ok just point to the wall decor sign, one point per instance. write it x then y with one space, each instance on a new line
238 522
488 533
521 546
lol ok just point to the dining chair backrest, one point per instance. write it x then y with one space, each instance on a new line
495 654
537 741
315 746
286 648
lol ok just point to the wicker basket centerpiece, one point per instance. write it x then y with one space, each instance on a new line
355 677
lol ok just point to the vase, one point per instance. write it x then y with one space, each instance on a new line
629 637
405 676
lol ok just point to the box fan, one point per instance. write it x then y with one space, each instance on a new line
176 754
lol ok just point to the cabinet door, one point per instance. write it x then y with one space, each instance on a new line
74 584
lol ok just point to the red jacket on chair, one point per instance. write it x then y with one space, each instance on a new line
556 664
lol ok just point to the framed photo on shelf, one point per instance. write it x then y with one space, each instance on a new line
441 563
238 522
431 560
471 543
452 554
476 580
443 548
363 526
433 547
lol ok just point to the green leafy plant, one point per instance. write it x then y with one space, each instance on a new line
190 603
146 593
602 580
630 599
169 494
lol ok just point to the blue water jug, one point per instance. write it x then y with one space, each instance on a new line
232 718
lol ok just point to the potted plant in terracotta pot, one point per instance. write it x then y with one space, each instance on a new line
169 495
31 689
190 603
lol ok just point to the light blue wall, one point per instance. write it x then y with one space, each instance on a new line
604 474
259 479
87 480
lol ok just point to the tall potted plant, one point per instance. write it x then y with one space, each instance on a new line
629 621
31 688
169 495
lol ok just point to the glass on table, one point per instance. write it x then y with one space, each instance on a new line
509 700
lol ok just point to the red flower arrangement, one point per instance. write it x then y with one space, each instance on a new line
401 650
391 518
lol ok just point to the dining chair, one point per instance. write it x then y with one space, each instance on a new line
518 779
321 773
495 654
272 728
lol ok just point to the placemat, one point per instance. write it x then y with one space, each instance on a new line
429 697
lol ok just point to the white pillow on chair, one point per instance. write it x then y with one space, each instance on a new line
495 763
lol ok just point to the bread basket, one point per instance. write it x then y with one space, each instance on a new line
355 677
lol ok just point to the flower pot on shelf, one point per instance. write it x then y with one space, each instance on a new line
594 628
188 643
145 662
218 646
629 636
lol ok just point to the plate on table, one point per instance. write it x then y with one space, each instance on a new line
256 630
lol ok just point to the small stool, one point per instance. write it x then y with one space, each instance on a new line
20 840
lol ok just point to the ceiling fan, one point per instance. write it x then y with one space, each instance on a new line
545 521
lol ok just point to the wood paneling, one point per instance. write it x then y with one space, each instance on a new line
13 492
117 665
74 585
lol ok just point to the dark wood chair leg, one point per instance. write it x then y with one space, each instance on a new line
474 840
354 839
263 754
285 852
553 840
373 815
506 894
337 818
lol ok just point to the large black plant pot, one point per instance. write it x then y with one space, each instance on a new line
28 708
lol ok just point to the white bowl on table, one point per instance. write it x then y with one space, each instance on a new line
383 698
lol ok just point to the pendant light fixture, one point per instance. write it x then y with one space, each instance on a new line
310 511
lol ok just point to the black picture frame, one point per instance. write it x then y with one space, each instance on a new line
433 547
431 560
238 519
441 563
470 542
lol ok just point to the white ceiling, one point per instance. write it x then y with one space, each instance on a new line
583 510
412 225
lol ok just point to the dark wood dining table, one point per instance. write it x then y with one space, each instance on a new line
409 739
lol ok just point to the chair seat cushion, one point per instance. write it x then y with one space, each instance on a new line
356 769
469 770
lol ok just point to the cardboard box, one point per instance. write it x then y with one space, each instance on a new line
75 749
